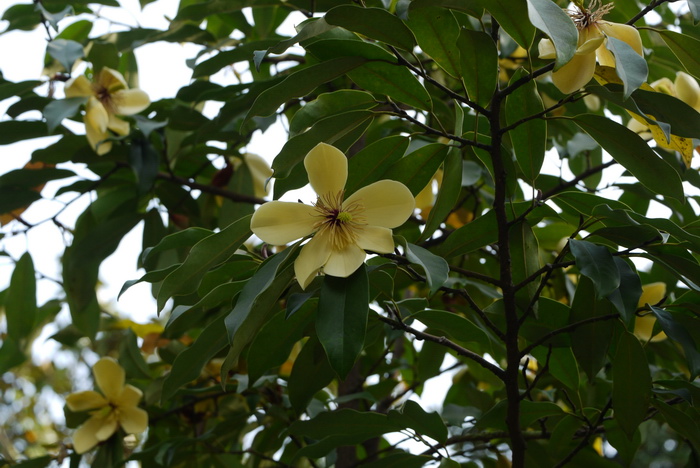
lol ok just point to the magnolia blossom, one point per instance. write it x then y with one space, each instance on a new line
108 97
115 406
342 228
592 35
259 170
652 294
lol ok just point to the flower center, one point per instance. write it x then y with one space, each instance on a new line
105 97
341 224
584 17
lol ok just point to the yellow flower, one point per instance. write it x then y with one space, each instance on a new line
652 294
343 228
108 97
116 406
259 170
592 34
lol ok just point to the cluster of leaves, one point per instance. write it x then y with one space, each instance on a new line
517 284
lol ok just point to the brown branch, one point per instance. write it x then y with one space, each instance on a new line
566 329
646 10
233 196
584 175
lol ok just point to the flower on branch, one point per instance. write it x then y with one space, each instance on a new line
342 228
116 406
593 32
108 97
652 294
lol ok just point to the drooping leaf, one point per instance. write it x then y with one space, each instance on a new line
341 321
311 372
528 138
597 263
549 18
680 335
415 417
20 301
629 65
631 383
329 104
67 52
626 297
435 267
478 60
633 153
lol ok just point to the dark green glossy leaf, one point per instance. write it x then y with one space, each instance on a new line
343 422
60 109
301 83
478 64
549 18
511 15
680 422
130 356
561 364
633 153
12 131
370 163
525 261
437 32
206 254
242 52
685 48
436 268
479 233
413 416
185 238
528 138
375 23
591 341
311 372
454 326
417 168
631 383
448 193
329 104
626 297
271 347
341 321
597 263
680 335
629 65
401 460
20 301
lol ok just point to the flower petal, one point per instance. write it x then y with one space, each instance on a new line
344 263
117 125
96 121
133 420
111 80
375 238
688 90
575 74
278 223
312 257
546 49
87 400
652 293
129 397
589 40
605 57
327 168
387 203
261 172
644 328
130 101
109 427
109 376
623 32
85 436
79 86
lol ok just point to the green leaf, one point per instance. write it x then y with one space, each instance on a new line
310 374
20 299
680 422
130 356
680 335
626 297
436 268
448 193
561 363
528 138
478 65
597 263
12 131
60 109
530 412
372 161
190 362
11 354
685 48
301 83
242 52
479 233
511 15
401 460
312 28
437 31
629 65
54 18
454 326
628 149
525 261
590 342
67 52
329 104
413 416
344 422
694 6
271 347
328 130
380 74
631 390
341 321
375 23
417 168
185 238
28 178
549 18
206 254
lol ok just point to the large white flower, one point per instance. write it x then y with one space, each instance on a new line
343 228
108 97
592 34
116 406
